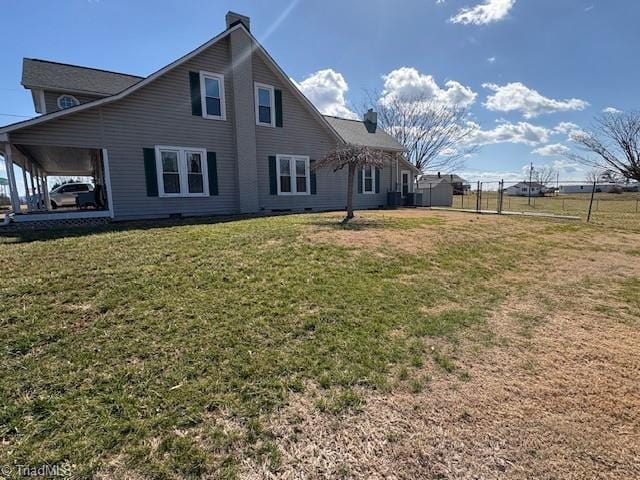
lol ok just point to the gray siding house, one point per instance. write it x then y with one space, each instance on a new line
222 130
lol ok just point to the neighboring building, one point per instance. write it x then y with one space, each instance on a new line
436 193
600 188
222 130
526 189
458 184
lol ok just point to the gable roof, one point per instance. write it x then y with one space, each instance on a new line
132 88
73 78
356 132
528 184
449 177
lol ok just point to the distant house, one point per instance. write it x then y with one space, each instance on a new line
526 189
458 184
608 187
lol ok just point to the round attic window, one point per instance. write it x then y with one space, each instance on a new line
67 101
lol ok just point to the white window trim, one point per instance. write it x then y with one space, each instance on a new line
292 166
182 171
373 181
203 98
257 86
67 95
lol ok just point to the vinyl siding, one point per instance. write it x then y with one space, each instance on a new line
157 114
303 134
51 99
160 114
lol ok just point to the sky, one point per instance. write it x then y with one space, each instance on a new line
530 71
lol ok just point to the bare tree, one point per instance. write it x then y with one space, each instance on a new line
544 175
353 157
435 136
613 144
593 175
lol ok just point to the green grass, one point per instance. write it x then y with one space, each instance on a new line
126 340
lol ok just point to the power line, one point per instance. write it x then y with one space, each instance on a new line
14 115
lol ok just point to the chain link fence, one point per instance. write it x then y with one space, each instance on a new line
590 202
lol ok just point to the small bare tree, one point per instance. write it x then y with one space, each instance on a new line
353 157
613 144
544 175
434 135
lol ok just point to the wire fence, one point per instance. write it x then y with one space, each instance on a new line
564 198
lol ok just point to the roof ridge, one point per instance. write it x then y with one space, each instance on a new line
83 67
342 118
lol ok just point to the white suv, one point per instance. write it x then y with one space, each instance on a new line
65 195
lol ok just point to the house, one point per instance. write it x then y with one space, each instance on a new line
526 189
458 184
600 188
221 130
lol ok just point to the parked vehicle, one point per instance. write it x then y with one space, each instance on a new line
66 195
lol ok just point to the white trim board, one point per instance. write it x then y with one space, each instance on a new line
39 217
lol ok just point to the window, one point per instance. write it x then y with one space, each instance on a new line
182 172
67 101
265 105
212 94
293 175
368 179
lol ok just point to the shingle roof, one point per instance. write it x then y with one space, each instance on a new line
449 177
355 131
73 78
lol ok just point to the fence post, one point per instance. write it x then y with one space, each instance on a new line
478 197
430 205
593 192
462 198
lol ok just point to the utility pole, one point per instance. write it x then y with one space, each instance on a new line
530 178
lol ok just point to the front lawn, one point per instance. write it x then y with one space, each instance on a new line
162 350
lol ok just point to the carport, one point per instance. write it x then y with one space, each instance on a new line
38 162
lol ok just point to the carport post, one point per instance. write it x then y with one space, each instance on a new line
45 189
13 189
430 204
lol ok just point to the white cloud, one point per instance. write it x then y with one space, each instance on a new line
408 84
326 89
566 128
518 97
552 150
491 59
611 110
488 12
521 132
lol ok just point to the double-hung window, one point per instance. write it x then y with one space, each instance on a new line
212 95
182 172
368 179
265 105
293 175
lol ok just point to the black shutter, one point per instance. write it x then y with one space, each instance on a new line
212 173
273 180
196 101
277 95
360 176
150 172
313 177
378 172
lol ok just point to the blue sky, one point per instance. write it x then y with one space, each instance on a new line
531 70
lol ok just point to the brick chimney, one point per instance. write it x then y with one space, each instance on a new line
234 18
